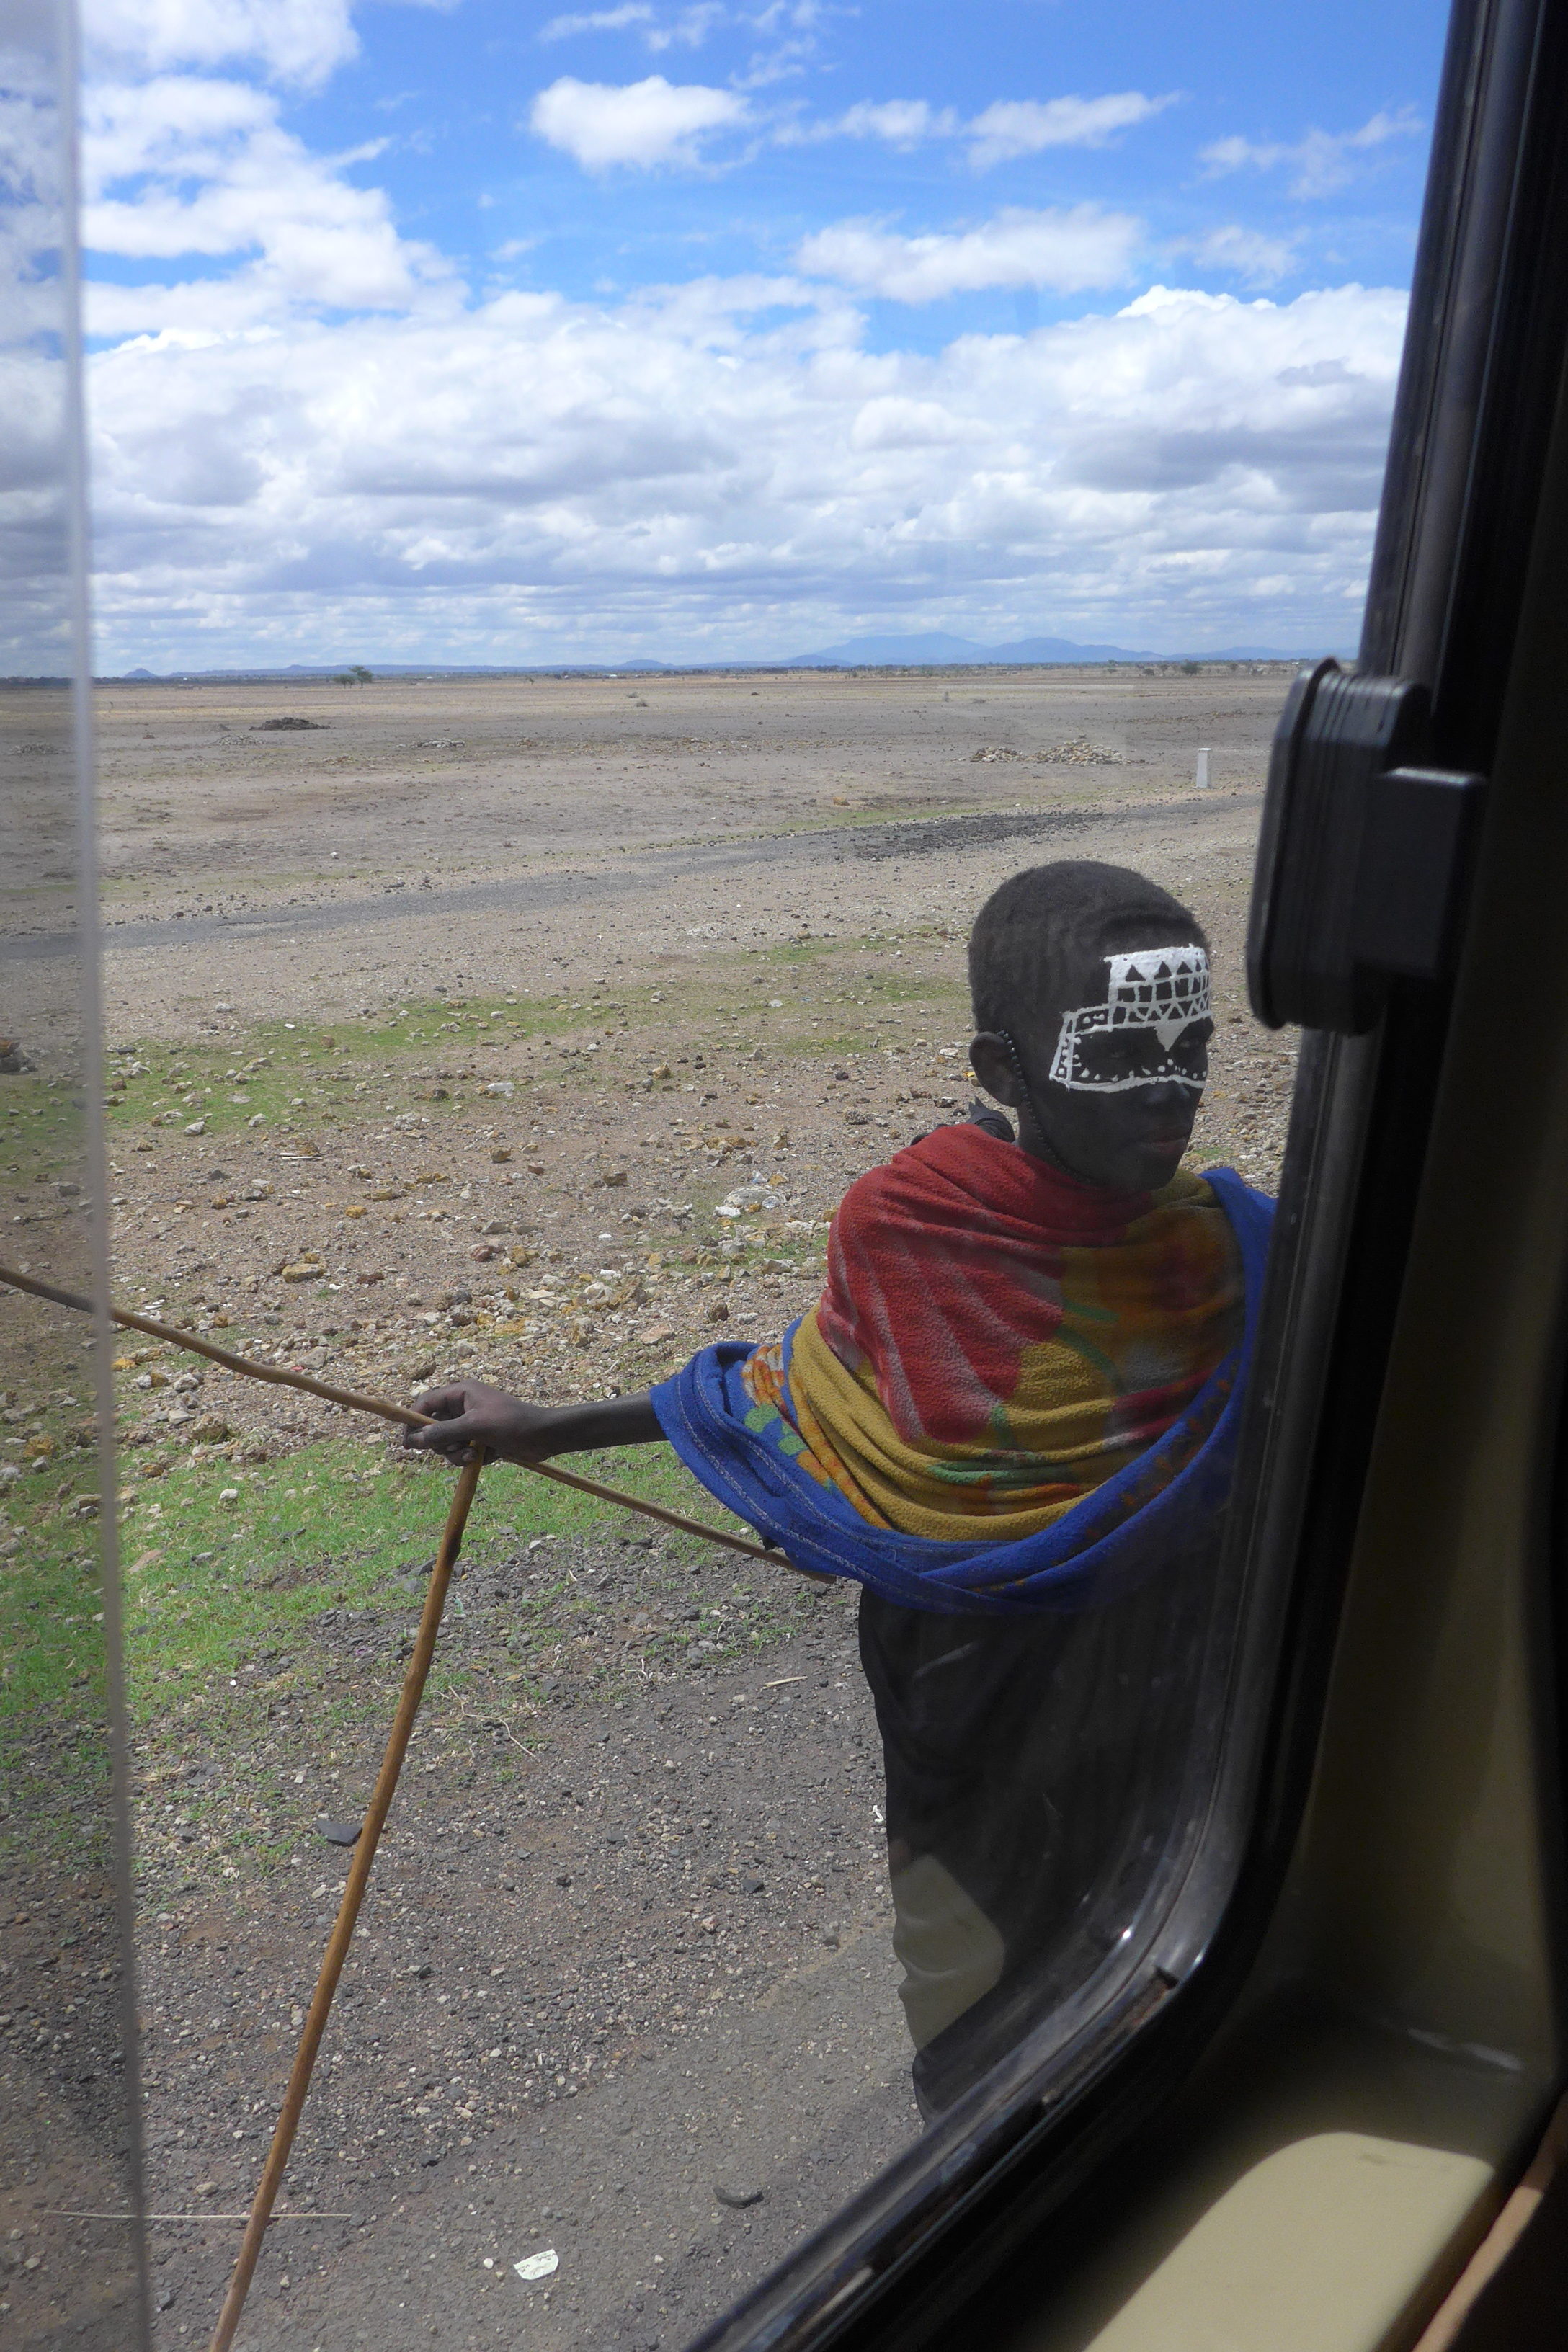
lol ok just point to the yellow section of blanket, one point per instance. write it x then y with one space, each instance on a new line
1120 1352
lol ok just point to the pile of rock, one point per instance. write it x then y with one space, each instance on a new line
1079 753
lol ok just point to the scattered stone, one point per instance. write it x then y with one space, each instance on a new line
736 2198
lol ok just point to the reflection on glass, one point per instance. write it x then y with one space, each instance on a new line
67 2172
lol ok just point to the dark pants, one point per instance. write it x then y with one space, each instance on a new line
1034 1771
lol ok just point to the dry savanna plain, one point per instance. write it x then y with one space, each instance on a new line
530 1029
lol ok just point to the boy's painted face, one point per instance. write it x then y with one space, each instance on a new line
1108 1086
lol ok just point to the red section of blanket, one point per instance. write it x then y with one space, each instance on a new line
946 1264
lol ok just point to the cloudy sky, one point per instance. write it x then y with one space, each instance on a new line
485 331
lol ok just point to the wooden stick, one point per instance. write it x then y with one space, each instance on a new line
348 1909
353 1402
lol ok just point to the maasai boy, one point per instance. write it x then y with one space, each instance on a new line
1011 1417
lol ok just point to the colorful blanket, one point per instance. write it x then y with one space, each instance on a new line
1017 1391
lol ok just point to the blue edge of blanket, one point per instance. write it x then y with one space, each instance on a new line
1083 1562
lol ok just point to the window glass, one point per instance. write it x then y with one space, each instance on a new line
69 2240
513 956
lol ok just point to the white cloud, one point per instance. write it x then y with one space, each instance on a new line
597 20
792 28
901 122
1244 253
187 165
1023 126
296 40
1319 162
1009 127
893 421
688 28
640 123
530 477
1069 251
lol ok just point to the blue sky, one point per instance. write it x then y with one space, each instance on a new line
487 332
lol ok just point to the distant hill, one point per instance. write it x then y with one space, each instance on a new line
937 647
934 649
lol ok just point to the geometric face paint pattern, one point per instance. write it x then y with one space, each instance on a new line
1147 1031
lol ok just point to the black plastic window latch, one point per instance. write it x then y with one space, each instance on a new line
1363 856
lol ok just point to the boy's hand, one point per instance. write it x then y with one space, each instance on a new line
471 1415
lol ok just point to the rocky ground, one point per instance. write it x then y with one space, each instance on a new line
665 950
625 1994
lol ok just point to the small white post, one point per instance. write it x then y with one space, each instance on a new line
1202 768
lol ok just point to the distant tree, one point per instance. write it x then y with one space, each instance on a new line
345 678
362 677
1189 669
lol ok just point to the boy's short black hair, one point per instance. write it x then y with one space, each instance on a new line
1035 936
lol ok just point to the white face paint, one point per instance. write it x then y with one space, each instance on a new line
1145 1034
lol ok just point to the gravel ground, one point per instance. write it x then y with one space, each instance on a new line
622 1988
593 1977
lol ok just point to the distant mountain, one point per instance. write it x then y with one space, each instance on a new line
934 649
1272 653
1061 649
938 647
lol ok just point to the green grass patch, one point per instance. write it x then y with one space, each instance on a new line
227 1571
54 1749
224 1565
42 1131
293 1075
